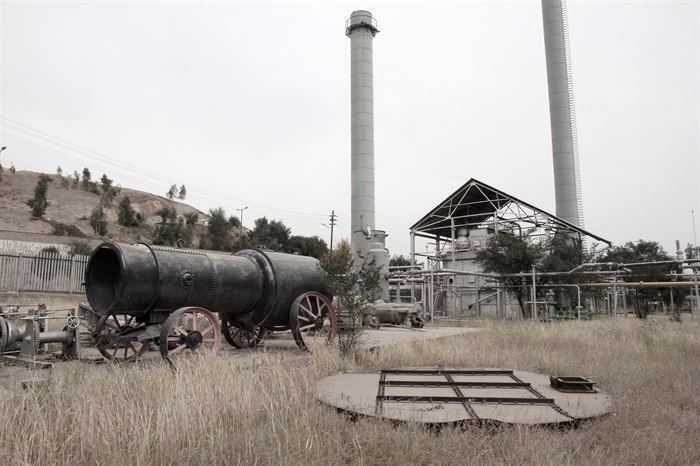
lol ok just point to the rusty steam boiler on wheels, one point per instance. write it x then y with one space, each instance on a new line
145 293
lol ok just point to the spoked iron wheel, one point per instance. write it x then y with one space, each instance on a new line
189 330
417 322
112 338
241 338
312 318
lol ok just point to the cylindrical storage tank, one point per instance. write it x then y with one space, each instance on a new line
250 287
138 278
286 277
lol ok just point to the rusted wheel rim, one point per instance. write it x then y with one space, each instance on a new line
311 316
241 338
190 330
112 340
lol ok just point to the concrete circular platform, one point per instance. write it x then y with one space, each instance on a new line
438 395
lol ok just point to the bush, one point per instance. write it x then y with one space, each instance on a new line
39 202
217 232
170 234
98 221
127 216
167 214
191 218
354 292
86 179
79 248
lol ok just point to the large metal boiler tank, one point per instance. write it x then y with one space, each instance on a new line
156 290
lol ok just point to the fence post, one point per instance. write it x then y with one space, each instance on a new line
70 275
18 271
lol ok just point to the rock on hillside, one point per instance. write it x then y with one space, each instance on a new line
69 209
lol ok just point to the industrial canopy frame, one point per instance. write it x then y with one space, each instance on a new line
477 205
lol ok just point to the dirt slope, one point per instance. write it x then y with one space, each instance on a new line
69 209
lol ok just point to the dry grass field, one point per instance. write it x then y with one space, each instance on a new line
261 410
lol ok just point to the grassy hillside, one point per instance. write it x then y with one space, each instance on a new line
69 209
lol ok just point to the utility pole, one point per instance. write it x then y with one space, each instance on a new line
241 211
3 148
332 221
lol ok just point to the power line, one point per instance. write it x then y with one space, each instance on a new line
286 217
136 172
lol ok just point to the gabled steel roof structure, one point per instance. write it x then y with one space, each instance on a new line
476 205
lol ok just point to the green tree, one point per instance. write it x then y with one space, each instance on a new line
80 248
167 214
191 218
234 221
39 202
562 254
126 215
272 235
171 234
172 192
312 246
399 260
217 231
98 221
505 253
182 193
76 178
354 292
644 251
106 183
86 179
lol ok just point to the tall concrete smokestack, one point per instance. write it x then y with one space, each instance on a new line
361 29
567 182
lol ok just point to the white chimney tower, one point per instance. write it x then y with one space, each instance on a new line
361 29
567 181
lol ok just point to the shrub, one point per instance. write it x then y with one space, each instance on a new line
127 216
98 221
39 202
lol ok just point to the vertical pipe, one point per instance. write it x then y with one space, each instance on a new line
478 304
452 245
697 295
534 295
413 248
567 185
614 312
578 300
498 302
361 29
432 295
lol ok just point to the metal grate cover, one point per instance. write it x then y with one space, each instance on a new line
448 395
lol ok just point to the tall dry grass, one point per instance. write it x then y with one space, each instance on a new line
261 409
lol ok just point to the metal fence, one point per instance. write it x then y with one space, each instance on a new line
47 271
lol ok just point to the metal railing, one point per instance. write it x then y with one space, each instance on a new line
47 271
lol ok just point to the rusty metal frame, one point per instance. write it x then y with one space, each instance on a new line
506 208
466 401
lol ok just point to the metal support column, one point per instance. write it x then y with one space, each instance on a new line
534 295
452 237
614 312
413 247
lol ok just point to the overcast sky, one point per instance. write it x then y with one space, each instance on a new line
249 105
